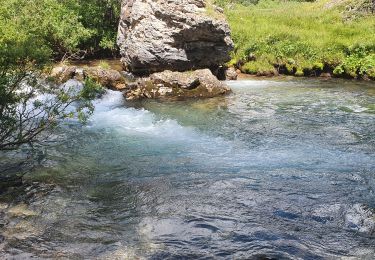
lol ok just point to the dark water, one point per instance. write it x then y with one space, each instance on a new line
278 169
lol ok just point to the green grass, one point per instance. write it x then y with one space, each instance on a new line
104 64
301 38
212 12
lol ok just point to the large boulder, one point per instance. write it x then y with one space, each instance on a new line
177 86
176 35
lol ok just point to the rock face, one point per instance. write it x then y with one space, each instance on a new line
176 35
177 85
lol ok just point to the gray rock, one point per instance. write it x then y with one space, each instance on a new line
176 35
231 74
63 73
128 75
108 78
177 85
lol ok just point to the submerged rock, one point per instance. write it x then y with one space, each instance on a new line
357 217
177 85
360 217
21 210
174 35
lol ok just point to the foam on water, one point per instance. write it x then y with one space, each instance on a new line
111 115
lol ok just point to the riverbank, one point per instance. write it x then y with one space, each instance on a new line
115 64
324 39
303 38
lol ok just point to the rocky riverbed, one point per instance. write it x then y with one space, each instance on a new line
162 85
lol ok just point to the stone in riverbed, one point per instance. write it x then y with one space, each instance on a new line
177 35
62 74
21 210
178 85
326 75
108 78
231 74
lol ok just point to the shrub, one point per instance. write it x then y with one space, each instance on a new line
69 28
28 106
367 66
318 66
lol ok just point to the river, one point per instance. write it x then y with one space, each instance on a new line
279 169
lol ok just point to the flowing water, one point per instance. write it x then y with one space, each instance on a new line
276 170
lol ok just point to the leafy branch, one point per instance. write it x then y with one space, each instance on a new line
29 107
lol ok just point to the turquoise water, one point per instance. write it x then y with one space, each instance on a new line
278 169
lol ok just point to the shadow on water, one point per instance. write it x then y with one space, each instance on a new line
277 170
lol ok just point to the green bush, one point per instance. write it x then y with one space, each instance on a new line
101 18
357 66
31 32
318 66
68 29
368 66
48 23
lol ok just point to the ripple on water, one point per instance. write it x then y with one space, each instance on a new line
277 170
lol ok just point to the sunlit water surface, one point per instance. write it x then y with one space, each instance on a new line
278 169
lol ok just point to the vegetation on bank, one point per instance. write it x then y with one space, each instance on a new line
303 38
32 32
271 36
69 29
